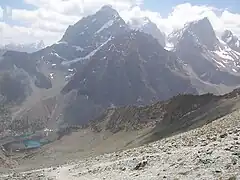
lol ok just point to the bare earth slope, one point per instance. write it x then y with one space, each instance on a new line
209 152
129 127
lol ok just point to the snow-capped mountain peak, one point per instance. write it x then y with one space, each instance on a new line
200 31
88 35
100 22
208 56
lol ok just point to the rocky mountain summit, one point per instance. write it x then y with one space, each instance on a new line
84 38
209 58
199 32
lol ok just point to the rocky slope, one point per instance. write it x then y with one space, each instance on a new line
163 114
209 152
130 127
166 118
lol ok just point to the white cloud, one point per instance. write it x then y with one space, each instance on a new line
8 10
180 15
54 16
51 17
231 21
41 17
184 13
81 7
20 34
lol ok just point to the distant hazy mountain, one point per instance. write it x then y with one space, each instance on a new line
30 48
147 26
232 40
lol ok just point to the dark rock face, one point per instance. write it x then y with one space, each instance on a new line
42 81
204 32
12 88
135 66
136 70
25 61
17 70
20 60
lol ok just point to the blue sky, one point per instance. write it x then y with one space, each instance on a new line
16 4
47 19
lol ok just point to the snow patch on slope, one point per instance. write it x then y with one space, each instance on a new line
228 39
105 26
220 63
67 63
237 43
224 55
169 46
78 48
61 42
234 70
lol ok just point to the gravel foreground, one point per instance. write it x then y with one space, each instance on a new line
207 153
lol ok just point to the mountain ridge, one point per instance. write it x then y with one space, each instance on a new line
104 63
218 59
